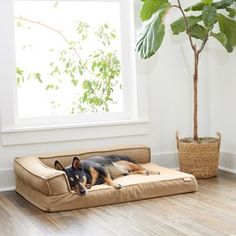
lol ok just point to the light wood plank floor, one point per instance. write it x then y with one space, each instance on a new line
209 212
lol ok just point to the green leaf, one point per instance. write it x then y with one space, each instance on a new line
180 26
86 84
37 76
152 35
222 4
52 87
19 76
207 2
209 16
228 27
196 7
231 11
19 71
150 7
74 82
198 32
221 37
218 5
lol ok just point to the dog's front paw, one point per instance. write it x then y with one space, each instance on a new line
118 186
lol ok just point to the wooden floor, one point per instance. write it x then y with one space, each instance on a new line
211 211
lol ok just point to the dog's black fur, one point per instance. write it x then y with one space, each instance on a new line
83 174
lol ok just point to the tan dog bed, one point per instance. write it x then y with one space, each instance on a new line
47 188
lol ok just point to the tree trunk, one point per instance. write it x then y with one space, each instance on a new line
195 96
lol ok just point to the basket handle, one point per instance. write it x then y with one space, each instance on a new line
177 139
219 139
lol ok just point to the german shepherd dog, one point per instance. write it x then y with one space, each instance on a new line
82 175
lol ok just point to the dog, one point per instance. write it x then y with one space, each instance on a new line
82 175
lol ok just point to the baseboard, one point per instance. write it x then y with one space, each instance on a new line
8 189
228 162
227 170
9 180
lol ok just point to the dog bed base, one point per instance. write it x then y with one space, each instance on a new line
48 189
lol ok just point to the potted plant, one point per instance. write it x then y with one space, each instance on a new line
204 20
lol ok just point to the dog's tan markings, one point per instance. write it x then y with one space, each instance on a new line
124 164
132 167
110 182
94 175
84 181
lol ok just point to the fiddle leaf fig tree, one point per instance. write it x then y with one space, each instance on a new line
204 20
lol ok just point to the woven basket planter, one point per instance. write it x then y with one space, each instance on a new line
199 158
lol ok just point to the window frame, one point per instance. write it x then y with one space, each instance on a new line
134 91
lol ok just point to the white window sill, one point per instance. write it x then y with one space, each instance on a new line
60 133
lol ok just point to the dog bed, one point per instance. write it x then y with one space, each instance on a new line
49 189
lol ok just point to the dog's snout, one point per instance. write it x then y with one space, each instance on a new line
82 191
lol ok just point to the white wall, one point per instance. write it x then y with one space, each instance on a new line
222 99
170 74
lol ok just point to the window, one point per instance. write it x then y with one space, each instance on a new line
67 60
68 63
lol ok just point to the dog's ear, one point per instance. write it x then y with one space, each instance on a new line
76 163
58 166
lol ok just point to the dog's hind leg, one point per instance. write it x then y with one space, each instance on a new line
137 169
133 168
